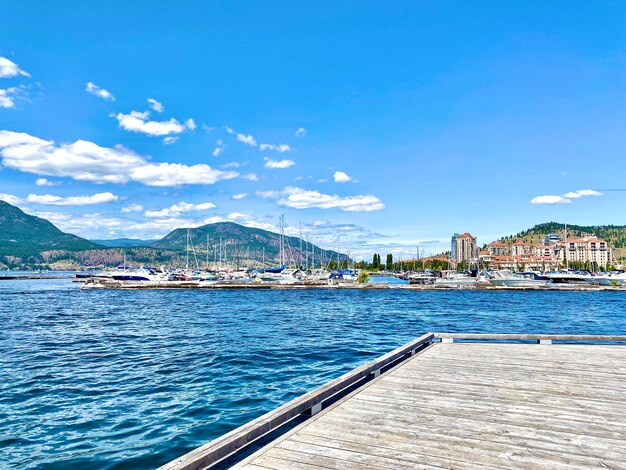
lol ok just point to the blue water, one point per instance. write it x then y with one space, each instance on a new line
133 379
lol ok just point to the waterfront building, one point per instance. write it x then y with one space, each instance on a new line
551 239
464 248
499 248
521 248
588 249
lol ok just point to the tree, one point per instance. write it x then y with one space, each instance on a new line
376 261
389 263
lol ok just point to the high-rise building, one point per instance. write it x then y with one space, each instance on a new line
464 248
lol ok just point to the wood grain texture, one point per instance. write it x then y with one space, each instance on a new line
473 405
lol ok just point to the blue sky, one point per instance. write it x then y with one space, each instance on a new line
378 126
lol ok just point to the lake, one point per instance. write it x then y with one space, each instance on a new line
132 379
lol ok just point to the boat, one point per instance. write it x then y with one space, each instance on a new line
614 278
458 279
142 273
522 279
421 278
569 277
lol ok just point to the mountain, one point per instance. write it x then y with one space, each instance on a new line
614 234
23 235
123 242
243 243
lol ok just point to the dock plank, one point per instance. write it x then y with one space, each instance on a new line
472 405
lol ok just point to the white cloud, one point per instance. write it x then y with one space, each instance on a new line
565 198
9 95
155 105
550 200
81 160
341 177
247 139
99 92
250 177
239 196
179 208
582 193
45 182
10 69
217 151
132 208
232 165
229 130
48 199
174 174
299 198
300 132
282 148
86 161
137 121
169 140
274 164
10 198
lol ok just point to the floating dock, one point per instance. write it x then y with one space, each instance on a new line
461 401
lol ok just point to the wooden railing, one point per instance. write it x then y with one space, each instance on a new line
237 439
547 339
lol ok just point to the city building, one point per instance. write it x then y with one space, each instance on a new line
464 248
589 249
551 239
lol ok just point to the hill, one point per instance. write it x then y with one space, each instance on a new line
23 235
614 234
123 242
244 243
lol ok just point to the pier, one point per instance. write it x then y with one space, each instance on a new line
448 401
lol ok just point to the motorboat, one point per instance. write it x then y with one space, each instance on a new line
142 273
525 279
458 279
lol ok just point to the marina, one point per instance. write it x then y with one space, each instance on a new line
437 402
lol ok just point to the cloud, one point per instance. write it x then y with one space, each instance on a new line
10 69
232 165
274 164
550 200
99 92
247 139
250 177
300 132
582 193
229 130
86 161
217 151
174 174
81 160
132 208
9 95
48 199
137 121
176 209
341 177
10 198
565 198
239 196
282 148
46 182
155 105
299 198
169 140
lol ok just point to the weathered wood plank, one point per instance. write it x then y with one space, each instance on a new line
529 337
229 443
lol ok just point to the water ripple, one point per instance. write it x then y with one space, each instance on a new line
121 380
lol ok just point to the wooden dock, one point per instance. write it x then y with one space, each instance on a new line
451 401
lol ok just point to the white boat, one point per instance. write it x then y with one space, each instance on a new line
614 279
423 278
142 273
457 280
287 276
528 279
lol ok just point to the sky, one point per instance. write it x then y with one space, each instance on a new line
372 126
